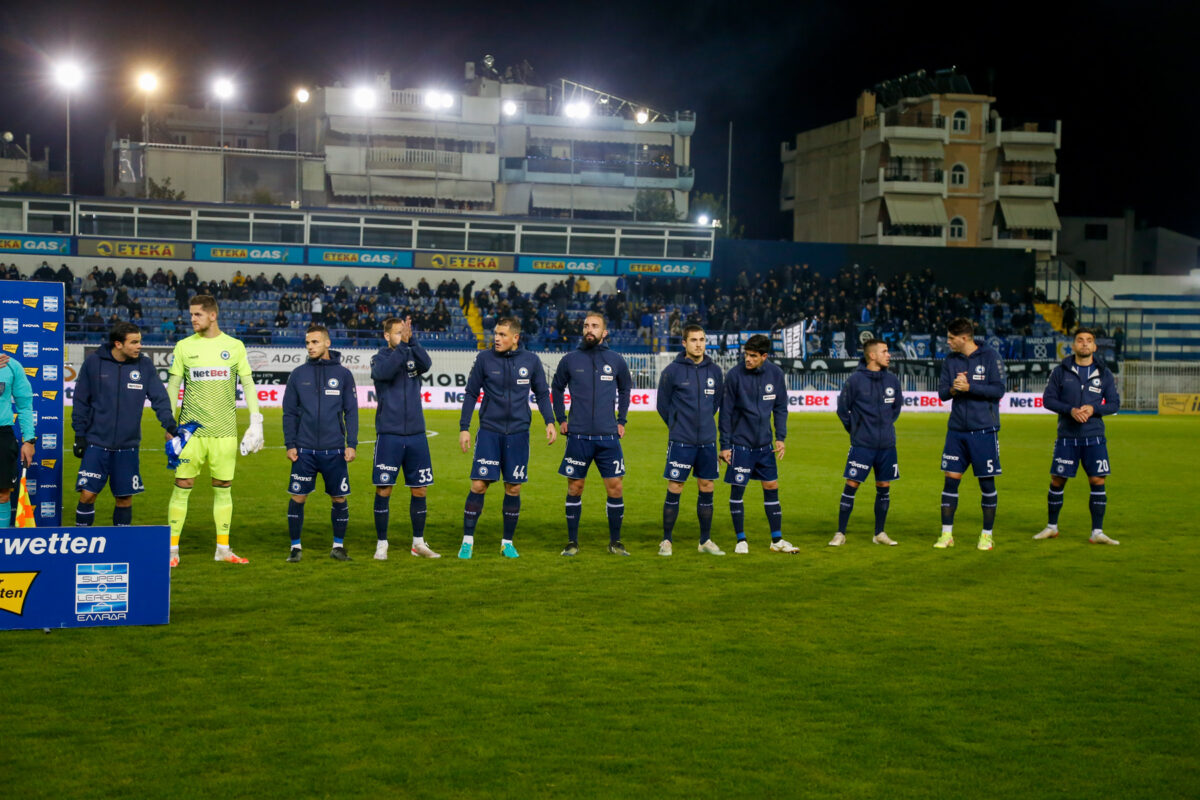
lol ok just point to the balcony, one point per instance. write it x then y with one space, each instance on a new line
631 174
911 235
1002 131
911 124
404 159
1021 181
892 179
1025 239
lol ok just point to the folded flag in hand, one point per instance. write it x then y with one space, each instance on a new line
176 445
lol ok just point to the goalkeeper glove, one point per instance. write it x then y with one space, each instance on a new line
252 442
80 448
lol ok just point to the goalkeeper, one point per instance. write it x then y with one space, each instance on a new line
208 365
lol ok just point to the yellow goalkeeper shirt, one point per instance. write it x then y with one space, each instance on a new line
209 370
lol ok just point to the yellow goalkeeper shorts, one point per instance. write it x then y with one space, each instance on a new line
218 452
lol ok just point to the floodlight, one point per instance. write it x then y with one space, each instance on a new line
147 82
223 88
68 75
302 95
642 116
364 98
702 219
438 100
509 108
577 110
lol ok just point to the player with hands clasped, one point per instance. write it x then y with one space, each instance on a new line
320 432
973 381
755 395
689 396
599 382
1081 390
507 375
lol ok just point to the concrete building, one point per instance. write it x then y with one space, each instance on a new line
496 146
925 161
1100 248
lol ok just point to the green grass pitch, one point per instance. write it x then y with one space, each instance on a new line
1040 669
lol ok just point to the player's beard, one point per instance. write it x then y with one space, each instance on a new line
589 341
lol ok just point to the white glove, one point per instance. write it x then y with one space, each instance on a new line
252 442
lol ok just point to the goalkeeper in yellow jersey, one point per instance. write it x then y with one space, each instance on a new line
208 366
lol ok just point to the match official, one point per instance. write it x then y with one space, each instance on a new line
755 394
599 382
507 375
689 396
14 391
320 432
973 381
1081 390
400 442
868 405
208 365
111 390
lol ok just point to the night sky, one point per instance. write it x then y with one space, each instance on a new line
1119 75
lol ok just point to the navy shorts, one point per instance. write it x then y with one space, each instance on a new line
978 449
861 460
410 454
500 456
1092 452
751 464
118 468
330 464
682 459
582 451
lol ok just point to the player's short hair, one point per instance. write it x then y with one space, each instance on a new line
119 332
1088 331
960 325
688 330
513 325
206 302
596 315
758 343
390 323
869 343
315 328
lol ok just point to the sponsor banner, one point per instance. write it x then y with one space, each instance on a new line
21 243
1011 403
355 257
473 261
673 267
590 266
84 577
134 248
1178 403
31 334
250 254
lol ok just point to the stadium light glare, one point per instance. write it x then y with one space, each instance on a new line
438 100
702 219
223 88
68 75
364 98
577 110
642 116
147 82
302 95
509 108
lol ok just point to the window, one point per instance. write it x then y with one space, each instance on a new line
958 175
179 138
242 142
960 122
1095 232
958 229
